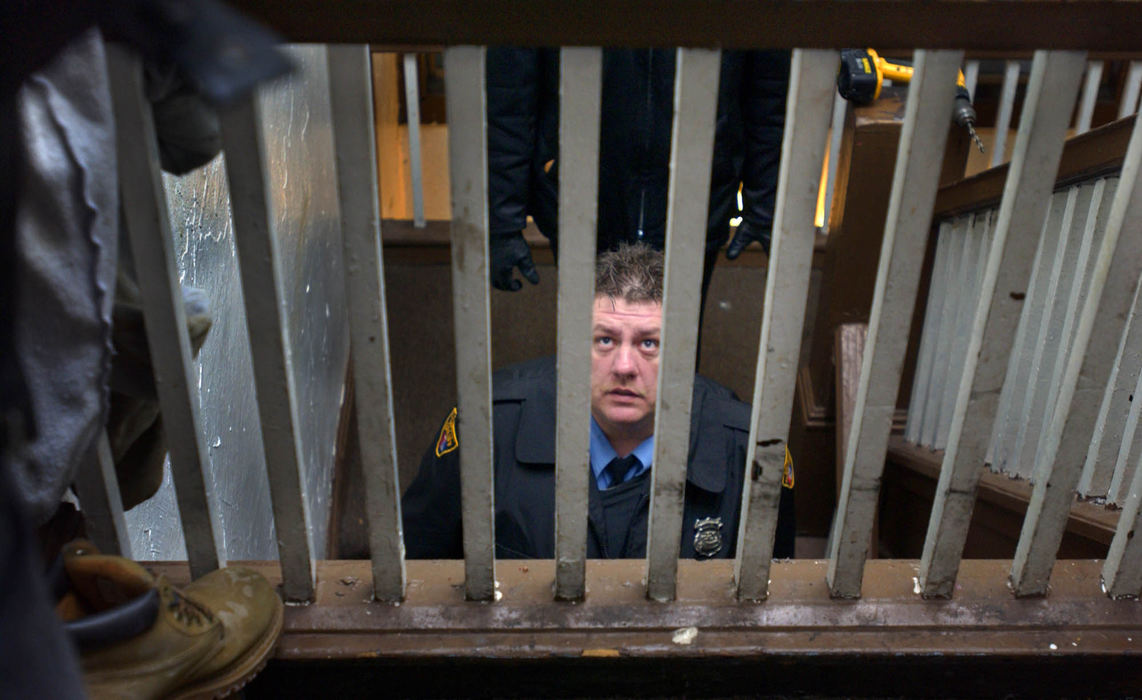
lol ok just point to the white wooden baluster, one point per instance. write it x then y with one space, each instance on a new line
350 87
147 222
1026 193
691 152
1006 109
412 110
581 76
467 162
260 263
787 287
1108 304
918 159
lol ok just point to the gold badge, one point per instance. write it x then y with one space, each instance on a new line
707 537
787 471
447 440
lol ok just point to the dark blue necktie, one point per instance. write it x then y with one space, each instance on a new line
618 468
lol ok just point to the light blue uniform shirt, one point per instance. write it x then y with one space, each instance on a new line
602 453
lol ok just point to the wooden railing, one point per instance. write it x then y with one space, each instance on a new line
809 608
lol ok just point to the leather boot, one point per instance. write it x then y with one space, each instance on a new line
140 637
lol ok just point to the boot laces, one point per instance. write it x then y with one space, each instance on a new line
188 611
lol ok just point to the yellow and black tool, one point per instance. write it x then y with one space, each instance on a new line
863 72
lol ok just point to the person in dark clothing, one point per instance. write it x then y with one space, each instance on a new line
634 151
624 376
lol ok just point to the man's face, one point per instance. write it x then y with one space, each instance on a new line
624 366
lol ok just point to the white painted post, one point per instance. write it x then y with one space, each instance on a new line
1038 146
918 160
260 263
412 111
351 106
970 270
691 153
467 162
97 486
925 369
1129 448
836 137
145 216
1129 103
1122 570
1006 109
1014 395
787 288
1089 97
581 80
1045 350
1107 305
956 241
971 77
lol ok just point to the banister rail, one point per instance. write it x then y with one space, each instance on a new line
1090 25
632 605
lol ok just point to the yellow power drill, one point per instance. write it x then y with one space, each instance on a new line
863 71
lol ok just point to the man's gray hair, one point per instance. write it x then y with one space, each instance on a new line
632 272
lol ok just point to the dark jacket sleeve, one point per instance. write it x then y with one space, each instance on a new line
512 109
765 83
430 509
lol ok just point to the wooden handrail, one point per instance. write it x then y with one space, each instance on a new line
1088 25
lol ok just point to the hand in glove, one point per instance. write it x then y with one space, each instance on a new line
745 235
508 251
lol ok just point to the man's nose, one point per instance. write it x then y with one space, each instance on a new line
624 360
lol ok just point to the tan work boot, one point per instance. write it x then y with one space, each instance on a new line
251 612
140 637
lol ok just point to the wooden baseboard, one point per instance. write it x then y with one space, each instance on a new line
1088 520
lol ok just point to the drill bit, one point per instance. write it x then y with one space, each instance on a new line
974 136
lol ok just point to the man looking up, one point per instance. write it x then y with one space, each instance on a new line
627 328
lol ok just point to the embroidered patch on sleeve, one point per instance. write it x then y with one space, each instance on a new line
787 472
448 440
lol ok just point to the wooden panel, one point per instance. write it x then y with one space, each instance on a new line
1054 82
581 73
811 91
691 151
1107 306
464 92
147 222
352 113
952 24
919 157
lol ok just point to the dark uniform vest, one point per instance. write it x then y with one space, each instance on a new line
523 416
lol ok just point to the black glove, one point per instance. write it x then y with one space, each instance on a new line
508 251
745 235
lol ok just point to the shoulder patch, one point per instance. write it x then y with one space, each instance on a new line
448 440
786 472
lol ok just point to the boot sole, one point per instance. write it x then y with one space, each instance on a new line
242 670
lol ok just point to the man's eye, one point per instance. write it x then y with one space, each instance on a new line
603 340
650 344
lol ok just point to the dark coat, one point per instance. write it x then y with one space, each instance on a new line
635 134
523 414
